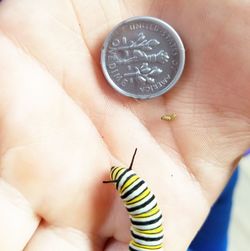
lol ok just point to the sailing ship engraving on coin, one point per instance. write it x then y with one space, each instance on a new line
143 57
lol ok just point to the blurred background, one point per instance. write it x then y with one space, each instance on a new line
239 233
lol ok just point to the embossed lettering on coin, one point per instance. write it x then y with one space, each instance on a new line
143 57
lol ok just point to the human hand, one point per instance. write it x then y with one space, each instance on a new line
62 126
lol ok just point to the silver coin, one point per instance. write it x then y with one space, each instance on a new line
143 57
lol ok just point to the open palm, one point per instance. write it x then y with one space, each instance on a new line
62 127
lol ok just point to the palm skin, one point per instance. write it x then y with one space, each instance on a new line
62 127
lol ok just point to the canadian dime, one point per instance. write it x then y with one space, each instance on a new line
143 57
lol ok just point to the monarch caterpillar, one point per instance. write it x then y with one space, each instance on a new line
144 213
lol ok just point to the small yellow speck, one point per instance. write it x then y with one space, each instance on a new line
169 117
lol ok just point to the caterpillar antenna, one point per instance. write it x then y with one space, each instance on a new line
132 161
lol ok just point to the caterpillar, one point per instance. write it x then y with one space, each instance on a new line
144 213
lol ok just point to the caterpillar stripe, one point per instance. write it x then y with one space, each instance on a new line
146 218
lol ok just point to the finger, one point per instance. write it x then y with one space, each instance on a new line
114 245
73 69
49 148
18 221
49 238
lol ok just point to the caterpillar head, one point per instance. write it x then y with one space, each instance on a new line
116 171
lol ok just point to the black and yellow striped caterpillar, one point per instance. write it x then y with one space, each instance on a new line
144 213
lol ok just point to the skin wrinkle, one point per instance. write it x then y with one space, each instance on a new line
151 6
127 8
33 143
67 28
162 8
56 230
73 236
80 28
120 8
18 200
28 53
222 29
104 12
